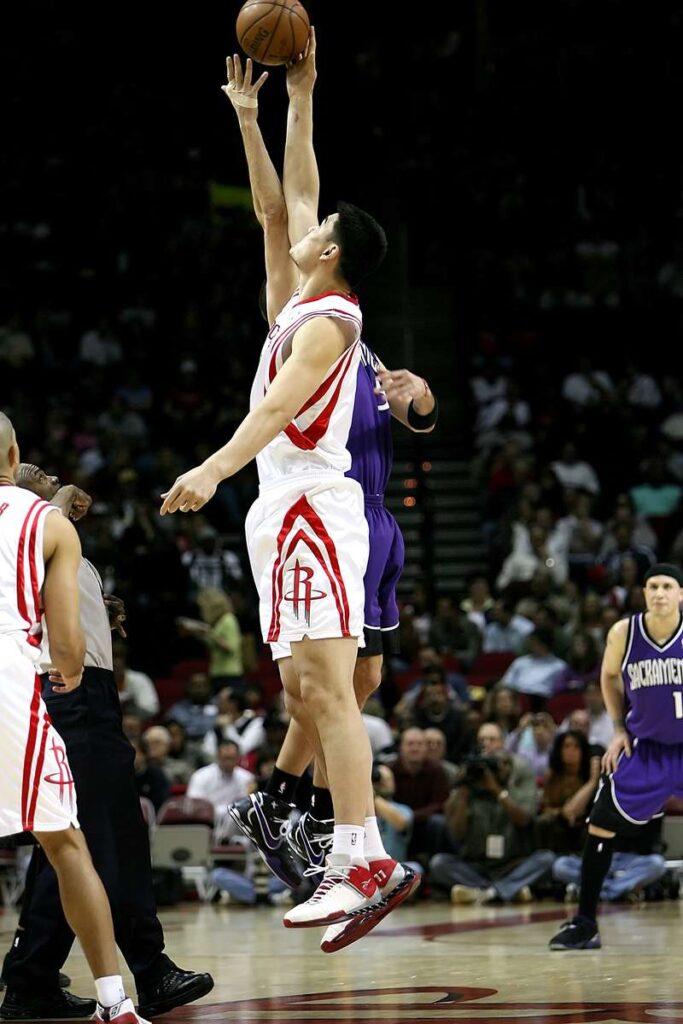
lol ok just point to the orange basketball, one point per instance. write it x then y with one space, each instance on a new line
273 31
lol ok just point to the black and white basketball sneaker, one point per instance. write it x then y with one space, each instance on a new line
265 820
311 841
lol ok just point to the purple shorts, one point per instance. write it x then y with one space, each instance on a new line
640 786
385 564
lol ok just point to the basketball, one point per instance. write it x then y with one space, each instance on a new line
273 31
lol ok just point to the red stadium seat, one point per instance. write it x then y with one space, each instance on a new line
184 810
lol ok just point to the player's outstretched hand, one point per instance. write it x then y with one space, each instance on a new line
621 742
241 90
191 491
302 73
116 610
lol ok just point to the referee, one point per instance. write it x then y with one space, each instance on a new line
101 760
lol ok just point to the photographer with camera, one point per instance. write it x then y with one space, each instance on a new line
490 816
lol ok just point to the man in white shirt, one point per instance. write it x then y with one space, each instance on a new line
224 782
137 692
535 673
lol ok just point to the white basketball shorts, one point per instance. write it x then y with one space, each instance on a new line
308 548
37 791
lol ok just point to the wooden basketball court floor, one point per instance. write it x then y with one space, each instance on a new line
426 963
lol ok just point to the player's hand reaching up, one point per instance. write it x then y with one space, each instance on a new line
191 491
241 90
621 742
301 73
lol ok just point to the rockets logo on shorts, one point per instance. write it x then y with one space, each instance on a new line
62 777
302 593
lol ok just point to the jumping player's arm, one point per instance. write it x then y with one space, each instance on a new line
612 687
316 346
266 189
61 601
300 179
403 390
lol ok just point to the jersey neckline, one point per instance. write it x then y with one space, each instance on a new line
349 296
653 643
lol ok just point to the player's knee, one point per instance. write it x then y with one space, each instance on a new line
321 696
366 678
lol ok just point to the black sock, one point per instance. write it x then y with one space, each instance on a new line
597 857
282 785
321 804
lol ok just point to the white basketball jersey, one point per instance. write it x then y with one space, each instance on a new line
22 566
316 439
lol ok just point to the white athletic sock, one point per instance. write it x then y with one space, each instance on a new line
110 990
374 847
348 841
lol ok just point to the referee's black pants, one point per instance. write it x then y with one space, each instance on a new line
101 761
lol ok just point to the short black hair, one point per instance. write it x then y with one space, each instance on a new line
362 241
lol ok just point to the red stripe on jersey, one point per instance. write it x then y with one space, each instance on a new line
303 508
317 395
37 777
307 439
21 596
324 295
34 640
28 755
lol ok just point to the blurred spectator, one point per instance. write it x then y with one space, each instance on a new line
423 787
501 708
505 630
573 473
521 567
478 602
436 754
220 631
535 673
196 713
433 709
451 632
587 387
489 816
178 750
622 546
532 740
210 565
234 721
379 731
151 781
593 720
223 782
634 866
657 497
583 664
157 741
569 789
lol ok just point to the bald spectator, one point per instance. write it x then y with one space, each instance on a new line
157 741
423 787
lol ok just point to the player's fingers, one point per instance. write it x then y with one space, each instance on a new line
237 65
228 67
627 748
247 73
259 82
170 500
311 41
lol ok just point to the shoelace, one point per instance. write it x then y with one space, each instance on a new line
332 877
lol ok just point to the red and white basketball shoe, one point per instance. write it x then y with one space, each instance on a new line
396 883
344 889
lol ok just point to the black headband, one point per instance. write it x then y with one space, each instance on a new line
665 569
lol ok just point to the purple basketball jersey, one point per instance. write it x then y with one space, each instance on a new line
370 442
653 684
